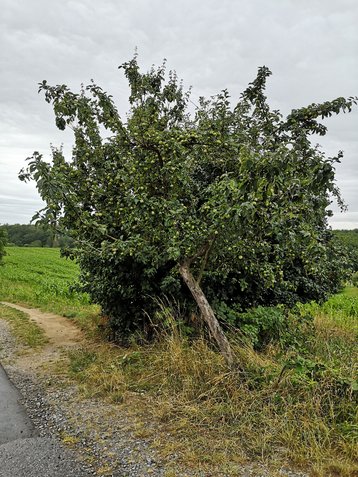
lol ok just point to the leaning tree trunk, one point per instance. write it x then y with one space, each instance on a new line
207 313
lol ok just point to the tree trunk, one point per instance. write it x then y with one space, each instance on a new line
207 313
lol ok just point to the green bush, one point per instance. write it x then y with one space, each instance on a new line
268 324
355 279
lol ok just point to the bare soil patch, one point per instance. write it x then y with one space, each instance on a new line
59 330
61 333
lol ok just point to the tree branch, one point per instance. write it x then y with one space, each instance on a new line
204 262
202 250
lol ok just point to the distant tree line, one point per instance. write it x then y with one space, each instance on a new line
26 235
3 239
349 238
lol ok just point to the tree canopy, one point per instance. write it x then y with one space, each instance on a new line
231 201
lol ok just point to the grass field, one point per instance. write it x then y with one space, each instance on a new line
41 278
290 407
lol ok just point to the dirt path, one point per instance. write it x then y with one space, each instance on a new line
61 333
59 330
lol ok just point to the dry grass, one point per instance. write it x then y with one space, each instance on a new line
187 402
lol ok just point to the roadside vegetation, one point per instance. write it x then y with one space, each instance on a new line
291 401
26 332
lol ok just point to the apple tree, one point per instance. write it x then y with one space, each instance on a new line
224 204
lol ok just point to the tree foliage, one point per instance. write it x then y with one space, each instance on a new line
236 197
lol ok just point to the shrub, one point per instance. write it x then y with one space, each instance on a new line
271 324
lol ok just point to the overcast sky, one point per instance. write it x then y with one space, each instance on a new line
311 46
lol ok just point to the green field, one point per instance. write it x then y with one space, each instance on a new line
41 278
293 405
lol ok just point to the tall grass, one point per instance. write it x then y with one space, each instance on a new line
277 407
340 309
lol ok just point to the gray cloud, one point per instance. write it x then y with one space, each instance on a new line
311 47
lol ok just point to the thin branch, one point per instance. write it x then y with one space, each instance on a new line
68 233
202 250
204 262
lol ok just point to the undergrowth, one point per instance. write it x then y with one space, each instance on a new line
277 406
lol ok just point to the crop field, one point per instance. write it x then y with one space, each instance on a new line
293 406
41 278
